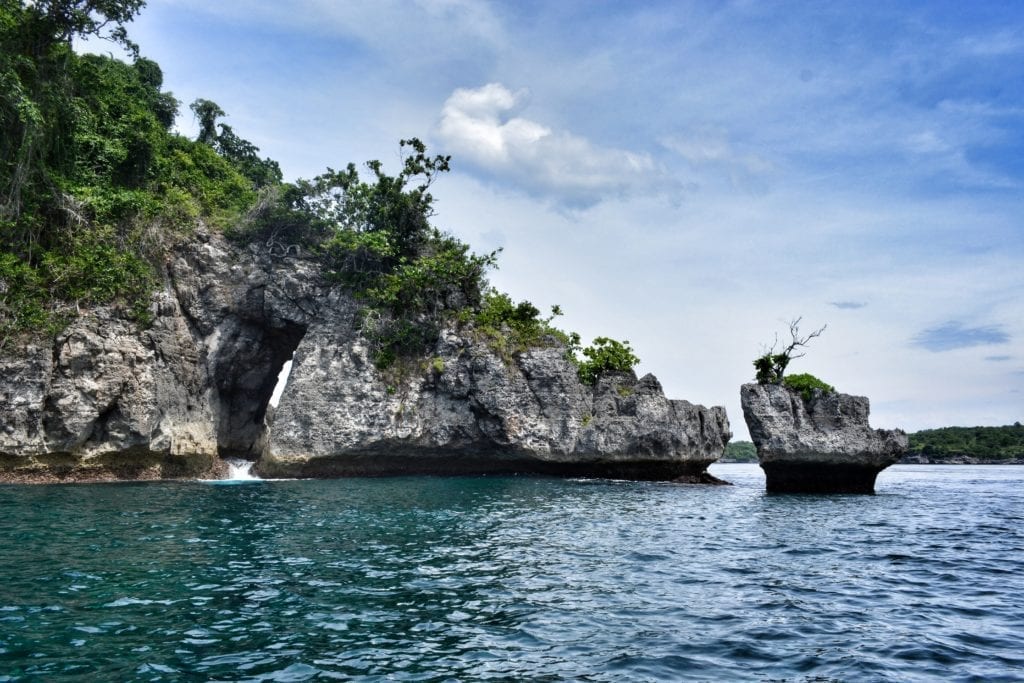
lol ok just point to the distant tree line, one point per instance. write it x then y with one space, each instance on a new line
947 443
987 443
740 451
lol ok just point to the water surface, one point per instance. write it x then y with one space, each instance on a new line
515 578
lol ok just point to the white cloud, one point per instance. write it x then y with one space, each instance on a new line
998 44
478 126
708 151
471 124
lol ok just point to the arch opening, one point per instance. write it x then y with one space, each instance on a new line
247 372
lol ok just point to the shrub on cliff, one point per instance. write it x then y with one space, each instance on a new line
606 355
511 328
806 384
375 236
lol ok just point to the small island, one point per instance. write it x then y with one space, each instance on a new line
809 437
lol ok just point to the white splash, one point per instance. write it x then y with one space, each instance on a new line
239 470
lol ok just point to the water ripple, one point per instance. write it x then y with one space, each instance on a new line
511 578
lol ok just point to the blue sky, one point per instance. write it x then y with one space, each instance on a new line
686 175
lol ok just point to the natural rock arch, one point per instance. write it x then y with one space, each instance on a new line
175 398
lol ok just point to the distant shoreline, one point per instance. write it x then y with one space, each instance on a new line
910 460
917 459
945 446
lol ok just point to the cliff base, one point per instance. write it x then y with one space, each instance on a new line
819 478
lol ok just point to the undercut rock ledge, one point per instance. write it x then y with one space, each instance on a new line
821 445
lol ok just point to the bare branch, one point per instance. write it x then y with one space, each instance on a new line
771 366
798 341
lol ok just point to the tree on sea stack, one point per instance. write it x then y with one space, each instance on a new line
821 444
771 367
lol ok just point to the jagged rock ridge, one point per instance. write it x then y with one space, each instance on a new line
824 444
110 401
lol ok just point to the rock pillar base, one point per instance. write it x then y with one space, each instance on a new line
819 478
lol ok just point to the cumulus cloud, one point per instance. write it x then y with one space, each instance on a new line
954 335
481 126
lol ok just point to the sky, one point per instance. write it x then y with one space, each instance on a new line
688 176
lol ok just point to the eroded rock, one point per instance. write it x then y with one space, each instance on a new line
466 410
109 400
824 445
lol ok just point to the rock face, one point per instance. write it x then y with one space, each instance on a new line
469 411
824 445
109 400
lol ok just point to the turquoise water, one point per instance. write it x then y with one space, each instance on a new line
514 578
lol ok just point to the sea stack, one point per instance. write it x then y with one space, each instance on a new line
819 444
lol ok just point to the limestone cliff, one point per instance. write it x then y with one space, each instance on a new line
821 445
471 411
108 400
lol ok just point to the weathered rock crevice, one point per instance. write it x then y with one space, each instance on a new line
109 400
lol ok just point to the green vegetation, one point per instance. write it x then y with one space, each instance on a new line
95 187
92 181
740 451
242 154
375 237
511 328
806 384
771 366
986 443
606 355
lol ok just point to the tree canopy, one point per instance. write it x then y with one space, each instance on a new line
92 180
95 185
988 443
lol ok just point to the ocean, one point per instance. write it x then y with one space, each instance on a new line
515 579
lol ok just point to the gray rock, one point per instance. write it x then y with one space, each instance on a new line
466 410
821 445
109 400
